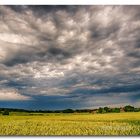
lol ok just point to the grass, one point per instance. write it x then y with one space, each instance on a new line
70 124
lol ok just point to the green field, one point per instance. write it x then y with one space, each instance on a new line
70 124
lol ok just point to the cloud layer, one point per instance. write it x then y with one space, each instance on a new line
69 56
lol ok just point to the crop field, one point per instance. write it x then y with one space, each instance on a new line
71 124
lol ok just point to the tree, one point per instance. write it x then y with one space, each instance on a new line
106 109
68 111
129 108
101 110
6 112
136 109
115 110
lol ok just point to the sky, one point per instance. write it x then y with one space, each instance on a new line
58 57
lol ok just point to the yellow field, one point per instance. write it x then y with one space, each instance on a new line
71 124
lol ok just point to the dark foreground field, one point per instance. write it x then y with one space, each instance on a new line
70 124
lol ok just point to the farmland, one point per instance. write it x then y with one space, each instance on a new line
70 124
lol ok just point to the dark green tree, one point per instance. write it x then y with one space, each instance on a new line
101 110
106 109
68 111
129 108
136 109
115 110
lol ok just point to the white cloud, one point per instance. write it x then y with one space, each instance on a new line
12 95
19 39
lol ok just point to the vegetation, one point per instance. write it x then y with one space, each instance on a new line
5 112
101 121
126 123
68 111
127 108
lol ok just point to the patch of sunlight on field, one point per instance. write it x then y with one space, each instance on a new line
71 124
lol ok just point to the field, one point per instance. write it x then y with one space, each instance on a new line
70 124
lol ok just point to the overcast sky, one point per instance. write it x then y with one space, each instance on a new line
57 57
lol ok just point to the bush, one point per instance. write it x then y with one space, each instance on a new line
6 112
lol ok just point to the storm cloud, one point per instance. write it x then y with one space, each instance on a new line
55 57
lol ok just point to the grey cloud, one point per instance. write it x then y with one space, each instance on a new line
137 45
99 33
58 50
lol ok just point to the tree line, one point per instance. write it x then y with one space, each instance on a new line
100 110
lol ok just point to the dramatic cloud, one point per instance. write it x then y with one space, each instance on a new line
11 94
69 56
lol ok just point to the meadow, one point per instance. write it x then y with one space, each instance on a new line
70 124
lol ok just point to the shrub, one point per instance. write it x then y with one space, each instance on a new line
6 112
